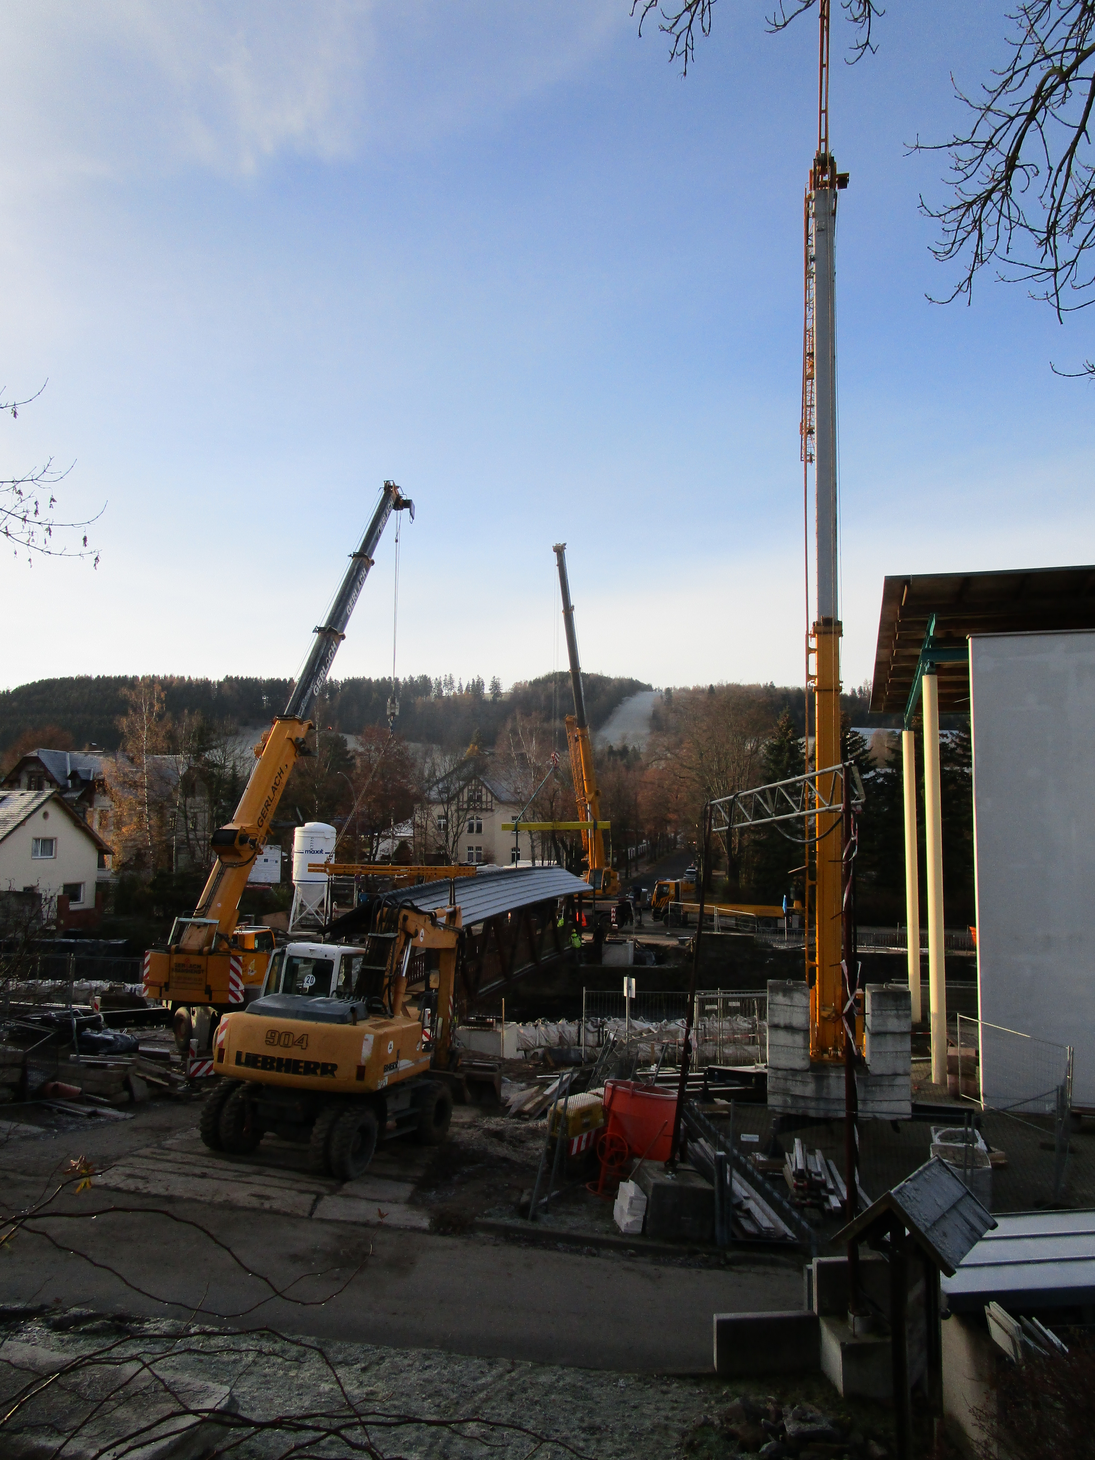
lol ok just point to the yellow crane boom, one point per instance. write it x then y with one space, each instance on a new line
206 961
587 795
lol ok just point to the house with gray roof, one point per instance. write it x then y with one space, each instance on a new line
77 775
48 851
464 811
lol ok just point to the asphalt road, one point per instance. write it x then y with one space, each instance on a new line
337 1281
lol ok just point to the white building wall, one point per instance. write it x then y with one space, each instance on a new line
1032 711
76 857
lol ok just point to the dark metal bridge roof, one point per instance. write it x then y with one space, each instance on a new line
489 894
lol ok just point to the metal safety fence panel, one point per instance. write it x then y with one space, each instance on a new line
729 1027
52 977
1019 1076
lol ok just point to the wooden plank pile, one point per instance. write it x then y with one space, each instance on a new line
530 1103
814 1181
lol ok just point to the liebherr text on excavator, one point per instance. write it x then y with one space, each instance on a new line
209 961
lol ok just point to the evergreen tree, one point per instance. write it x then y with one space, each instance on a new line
773 856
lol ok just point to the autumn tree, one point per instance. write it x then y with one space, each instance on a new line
720 734
138 778
445 777
385 783
530 762
45 737
620 776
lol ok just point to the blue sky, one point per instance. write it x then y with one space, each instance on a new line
269 254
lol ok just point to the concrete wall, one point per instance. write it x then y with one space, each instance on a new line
969 1372
1033 708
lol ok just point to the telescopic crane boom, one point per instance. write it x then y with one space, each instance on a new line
207 961
599 875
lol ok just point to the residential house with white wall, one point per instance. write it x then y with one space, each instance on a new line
463 816
47 849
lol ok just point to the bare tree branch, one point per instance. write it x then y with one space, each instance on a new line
683 20
28 517
1022 172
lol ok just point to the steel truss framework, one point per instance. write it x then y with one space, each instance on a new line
791 800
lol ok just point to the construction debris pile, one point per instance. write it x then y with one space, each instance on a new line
756 1425
69 1053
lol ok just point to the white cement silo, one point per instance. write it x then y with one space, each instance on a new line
312 843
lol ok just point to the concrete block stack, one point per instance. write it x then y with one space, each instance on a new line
887 1091
797 1087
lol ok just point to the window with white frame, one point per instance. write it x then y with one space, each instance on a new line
74 891
475 855
42 848
475 825
442 823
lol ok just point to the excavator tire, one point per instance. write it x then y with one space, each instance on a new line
210 1119
320 1140
434 1115
353 1141
232 1128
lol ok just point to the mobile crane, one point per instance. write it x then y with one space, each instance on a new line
600 876
209 962
333 1055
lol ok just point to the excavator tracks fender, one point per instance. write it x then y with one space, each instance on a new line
237 1128
434 1114
353 1140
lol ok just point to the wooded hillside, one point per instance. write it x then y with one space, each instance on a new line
437 711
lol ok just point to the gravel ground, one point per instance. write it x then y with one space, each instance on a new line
418 1404
300 1397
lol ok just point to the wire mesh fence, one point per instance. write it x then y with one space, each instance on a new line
729 1027
1019 1076
955 940
67 978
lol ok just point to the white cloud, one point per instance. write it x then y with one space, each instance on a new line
136 87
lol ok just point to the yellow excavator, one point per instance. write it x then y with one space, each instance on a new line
210 963
334 1054
599 874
